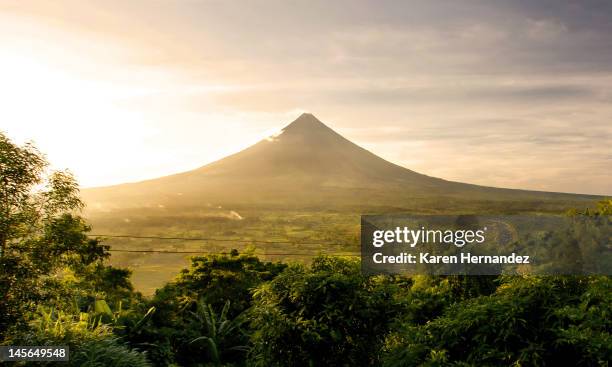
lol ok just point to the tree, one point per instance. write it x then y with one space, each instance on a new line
41 232
545 321
221 282
326 315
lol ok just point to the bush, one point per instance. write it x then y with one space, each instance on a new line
91 342
107 353
214 280
325 315
527 321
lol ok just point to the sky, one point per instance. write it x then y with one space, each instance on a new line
513 94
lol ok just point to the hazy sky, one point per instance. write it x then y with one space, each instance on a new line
504 93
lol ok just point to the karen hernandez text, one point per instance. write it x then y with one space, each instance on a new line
458 238
463 258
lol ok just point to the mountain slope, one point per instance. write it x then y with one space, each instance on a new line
306 164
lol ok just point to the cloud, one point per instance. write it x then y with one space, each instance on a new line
510 93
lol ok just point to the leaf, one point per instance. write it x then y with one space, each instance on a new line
101 307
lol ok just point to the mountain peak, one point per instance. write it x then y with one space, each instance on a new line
306 121
307 117
307 164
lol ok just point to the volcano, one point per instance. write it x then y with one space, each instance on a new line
305 164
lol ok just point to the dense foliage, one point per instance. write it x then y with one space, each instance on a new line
237 310
325 315
46 258
186 310
527 321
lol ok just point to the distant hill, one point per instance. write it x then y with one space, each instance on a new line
307 164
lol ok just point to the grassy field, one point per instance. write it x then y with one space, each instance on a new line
271 233
286 236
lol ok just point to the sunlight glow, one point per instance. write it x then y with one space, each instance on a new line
69 95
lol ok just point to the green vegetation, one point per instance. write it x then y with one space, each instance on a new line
327 314
245 309
301 235
527 321
53 280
